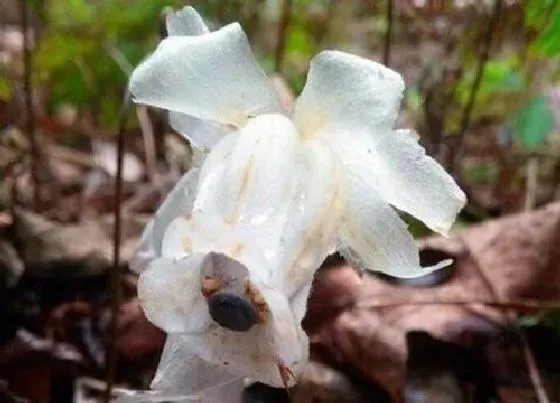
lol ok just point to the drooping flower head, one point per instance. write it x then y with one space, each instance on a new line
233 249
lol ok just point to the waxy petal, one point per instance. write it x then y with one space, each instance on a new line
250 182
356 112
212 76
404 176
347 91
181 371
202 134
373 236
262 352
178 202
170 293
298 302
225 392
185 22
310 235
204 233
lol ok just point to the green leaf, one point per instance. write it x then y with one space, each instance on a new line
72 13
548 42
533 123
544 17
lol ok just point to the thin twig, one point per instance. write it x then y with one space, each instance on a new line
141 112
148 136
485 54
323 33
510 315
531 183
510 305
283 26
527 304
114 285
28 89
533 369
388 34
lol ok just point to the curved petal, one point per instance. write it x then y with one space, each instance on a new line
204 233
344 90
202 134
403 175
226 392
250 182
185 22
310 235
212 76
170 293
178 202
373 236
181 371
274 352
298 302
354 103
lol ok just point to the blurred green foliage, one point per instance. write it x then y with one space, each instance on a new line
544 17
533 123
86 47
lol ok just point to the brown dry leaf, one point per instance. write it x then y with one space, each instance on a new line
48 247
506 259
138 341
32 360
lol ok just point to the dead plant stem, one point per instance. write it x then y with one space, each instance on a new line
388 34
483 59
283 26
115 275
28 89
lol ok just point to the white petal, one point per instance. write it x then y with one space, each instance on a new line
354 103
185 22
180 370
146 251
250 182
298 302
403 175
202 134
178 202
212 76
170 293
347 91
258 352
204 233
373 236
310 235
227 392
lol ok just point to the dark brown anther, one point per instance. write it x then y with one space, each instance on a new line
225 287
232 311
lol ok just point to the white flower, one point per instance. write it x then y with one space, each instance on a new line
234 247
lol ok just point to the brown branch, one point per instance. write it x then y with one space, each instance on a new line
114 280
467 112
530 361
388 34
283 26
533 369
28 89
520 305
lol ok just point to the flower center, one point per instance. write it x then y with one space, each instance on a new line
233 302
232 311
